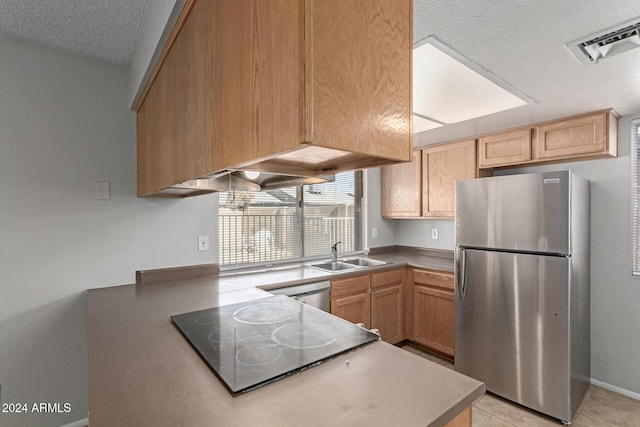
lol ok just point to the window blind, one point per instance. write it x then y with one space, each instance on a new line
635 197
291 223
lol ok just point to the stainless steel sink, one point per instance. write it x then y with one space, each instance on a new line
348 264
334 266
364 262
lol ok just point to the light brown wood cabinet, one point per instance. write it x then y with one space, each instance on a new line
376 300
581 136
587 136
301 87
354 308
387 305
350 299
401 186
505 148
425 188
433 310
442 166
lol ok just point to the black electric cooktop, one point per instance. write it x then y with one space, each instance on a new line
253 343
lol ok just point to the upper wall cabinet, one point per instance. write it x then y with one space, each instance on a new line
581 136
425 188
587 136
442 166
297 87
505 148
401 189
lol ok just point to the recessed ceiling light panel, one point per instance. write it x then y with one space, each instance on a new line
422 124
448 88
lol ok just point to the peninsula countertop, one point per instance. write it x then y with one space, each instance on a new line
142 372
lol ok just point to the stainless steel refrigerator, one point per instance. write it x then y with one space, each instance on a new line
522 288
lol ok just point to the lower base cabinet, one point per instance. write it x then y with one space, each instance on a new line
433 310
386 313
415 304
354 308
376 300
434 318
463 419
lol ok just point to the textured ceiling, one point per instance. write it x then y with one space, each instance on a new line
522 42
101 29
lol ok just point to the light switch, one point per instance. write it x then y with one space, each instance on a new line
102 190
203 243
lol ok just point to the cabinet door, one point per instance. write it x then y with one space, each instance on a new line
575 137
442 166
360 72
258 79
354 308
401 185
386 313
434 318
175 131
504 148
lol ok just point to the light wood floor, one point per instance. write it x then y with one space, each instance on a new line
600 408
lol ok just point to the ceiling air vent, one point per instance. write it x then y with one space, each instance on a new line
607 43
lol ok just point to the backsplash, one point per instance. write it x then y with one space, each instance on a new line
418 233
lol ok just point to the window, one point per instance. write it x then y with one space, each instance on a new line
291 223
635 197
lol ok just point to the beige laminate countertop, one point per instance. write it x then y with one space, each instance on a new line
142 371
303 273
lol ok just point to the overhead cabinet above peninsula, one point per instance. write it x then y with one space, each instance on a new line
288 87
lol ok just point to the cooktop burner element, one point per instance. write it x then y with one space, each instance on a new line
253 343
264 313
301 336
259 354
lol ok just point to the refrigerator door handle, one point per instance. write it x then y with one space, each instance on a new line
461 278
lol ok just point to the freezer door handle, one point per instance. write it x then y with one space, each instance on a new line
461 270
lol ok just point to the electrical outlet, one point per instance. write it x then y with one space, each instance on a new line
374 233
203 243
434 233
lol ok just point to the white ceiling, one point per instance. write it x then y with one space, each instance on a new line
101 29
521 42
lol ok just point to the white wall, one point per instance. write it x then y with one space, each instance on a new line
159 17
65 123
404 232
385 227
417 232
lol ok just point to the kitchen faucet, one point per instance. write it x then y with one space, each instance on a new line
334 251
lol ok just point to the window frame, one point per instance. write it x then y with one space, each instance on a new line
635 197
287 263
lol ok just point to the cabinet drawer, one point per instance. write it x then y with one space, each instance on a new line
387 278
432 278
349 286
